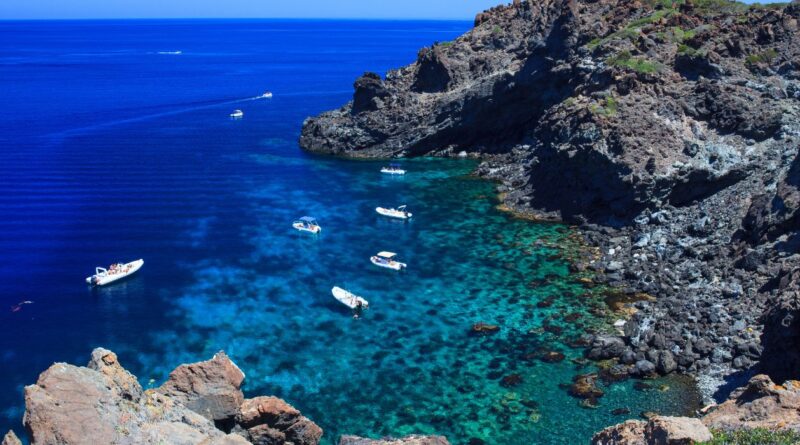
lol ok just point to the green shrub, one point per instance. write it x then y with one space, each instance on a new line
764 57
607 107
625 60
497 30
757 436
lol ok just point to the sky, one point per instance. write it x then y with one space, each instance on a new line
380 9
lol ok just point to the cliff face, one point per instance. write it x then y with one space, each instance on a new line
669 130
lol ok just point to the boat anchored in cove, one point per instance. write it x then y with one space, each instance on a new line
393 169
307 224
399 213
115 272
387 260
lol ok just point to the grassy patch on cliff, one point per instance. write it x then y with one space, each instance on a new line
757 436
639 64
763 57
607 107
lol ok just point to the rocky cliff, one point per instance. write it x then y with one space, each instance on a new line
668 130
201 403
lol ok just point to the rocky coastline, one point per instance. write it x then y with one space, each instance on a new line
667 132
200 403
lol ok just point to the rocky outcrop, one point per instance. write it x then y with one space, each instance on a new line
659 430
11 439
760 404
409 440
210 388
668 130
781 338
104 403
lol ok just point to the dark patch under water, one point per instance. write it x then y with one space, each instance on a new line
112 151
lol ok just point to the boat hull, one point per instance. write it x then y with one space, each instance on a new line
302 228
395 265
387 171
348 298
105 280
393 213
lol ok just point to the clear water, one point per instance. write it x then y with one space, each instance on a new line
111 151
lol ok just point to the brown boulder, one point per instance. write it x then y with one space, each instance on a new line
408 440
273 421
630 432
760 404
78 405
210 388
485 329
664 430
11 439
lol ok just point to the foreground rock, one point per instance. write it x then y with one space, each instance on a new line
103 403
759 404
409 440
668 130
11 439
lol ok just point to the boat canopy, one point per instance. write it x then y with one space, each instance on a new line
387 255
308 219
402 207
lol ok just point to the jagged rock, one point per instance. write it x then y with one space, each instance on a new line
664 430
605 347
760 404
781 337
630 432
408 440
11 439
272 420
210 388
76 405
103 404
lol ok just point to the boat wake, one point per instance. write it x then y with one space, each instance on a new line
188 109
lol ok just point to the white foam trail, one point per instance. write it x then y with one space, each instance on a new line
89 128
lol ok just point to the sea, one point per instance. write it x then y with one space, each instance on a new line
116 144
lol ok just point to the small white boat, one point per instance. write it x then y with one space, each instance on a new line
307 224
267 95
349 299
237 114
387 260
114 273
393 169
400 212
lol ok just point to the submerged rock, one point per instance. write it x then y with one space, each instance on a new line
484 329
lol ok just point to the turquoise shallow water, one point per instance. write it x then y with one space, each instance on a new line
134 156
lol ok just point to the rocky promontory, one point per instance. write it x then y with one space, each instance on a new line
668 132
201 403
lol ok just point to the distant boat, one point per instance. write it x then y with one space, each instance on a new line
267 95
387 260
237 114
170 53
349 299
393 169
400 212
114 273
307 224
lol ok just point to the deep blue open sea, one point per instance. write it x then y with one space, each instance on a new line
113 147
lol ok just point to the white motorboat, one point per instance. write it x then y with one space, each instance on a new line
267 95
307 224
349 299
393 169
400 212
237 114
387 260
114 273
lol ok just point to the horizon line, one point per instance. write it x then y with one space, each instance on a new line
108 19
